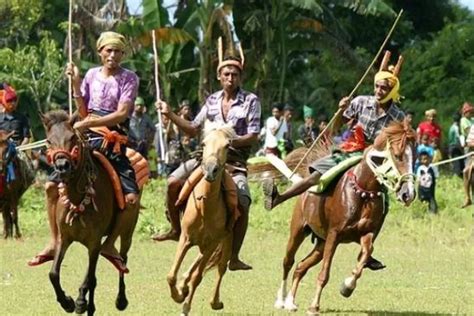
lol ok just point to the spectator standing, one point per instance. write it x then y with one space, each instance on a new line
427 181
288 136
275 129
409 117
454 145
429 127
142 129
465 123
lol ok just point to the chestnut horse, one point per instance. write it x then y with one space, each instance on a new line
351 210
80 215
205 222
13 184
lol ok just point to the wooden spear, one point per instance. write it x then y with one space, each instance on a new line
158 98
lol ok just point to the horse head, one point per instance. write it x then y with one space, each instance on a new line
64 143
5 151
216 142
391 160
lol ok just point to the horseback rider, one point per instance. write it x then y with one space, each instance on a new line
13 121
104 98
372 114
240 108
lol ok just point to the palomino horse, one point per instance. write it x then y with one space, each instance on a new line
13 184
352 210
80 216
205 222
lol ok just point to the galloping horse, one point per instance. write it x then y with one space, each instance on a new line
352 210
81 216
13 184
206 220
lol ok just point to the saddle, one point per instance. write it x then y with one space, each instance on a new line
329 176
137 161
228 186
139 165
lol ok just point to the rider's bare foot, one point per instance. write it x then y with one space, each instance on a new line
270 192
44 256
131 198
236 264
170 235
466 203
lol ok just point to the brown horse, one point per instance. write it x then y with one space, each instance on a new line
205 222
11 189
81 216
352 210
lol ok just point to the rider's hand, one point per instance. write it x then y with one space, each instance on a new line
73 71
344 103
81 125
163 107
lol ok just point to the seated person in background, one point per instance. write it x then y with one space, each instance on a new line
427 181
308 132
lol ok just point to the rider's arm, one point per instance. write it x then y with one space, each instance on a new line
111 119
253 126
186 126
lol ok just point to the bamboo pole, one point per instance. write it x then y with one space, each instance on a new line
69 42
340 110
158 98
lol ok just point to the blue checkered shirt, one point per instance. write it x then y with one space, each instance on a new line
244 115
364 110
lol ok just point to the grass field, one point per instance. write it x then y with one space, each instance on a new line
429 258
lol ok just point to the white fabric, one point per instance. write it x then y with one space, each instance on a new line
271 141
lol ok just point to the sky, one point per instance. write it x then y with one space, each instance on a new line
134 5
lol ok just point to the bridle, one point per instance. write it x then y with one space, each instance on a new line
387 173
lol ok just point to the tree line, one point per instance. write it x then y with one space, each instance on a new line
300 52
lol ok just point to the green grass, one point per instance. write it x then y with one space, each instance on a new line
430 265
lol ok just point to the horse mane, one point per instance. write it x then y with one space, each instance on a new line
54 117
226 128
398 133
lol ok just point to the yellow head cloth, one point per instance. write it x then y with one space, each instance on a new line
394 83
113 39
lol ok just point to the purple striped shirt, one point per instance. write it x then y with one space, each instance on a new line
244 113
106 93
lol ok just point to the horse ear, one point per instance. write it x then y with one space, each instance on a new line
45 120
74 118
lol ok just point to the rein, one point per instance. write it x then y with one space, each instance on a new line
81 159
386 173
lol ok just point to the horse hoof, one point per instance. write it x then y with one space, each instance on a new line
279 304
184 291
121 303
81 306
312 311
291 307
68 304
217 306
345 290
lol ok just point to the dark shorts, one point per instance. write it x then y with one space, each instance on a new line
327 162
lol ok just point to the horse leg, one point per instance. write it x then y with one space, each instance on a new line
67 303
313 258
349 284
183 246
196 277
323 277
89 283
297 236
15 221
216 303
6 222
126 237
184 288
